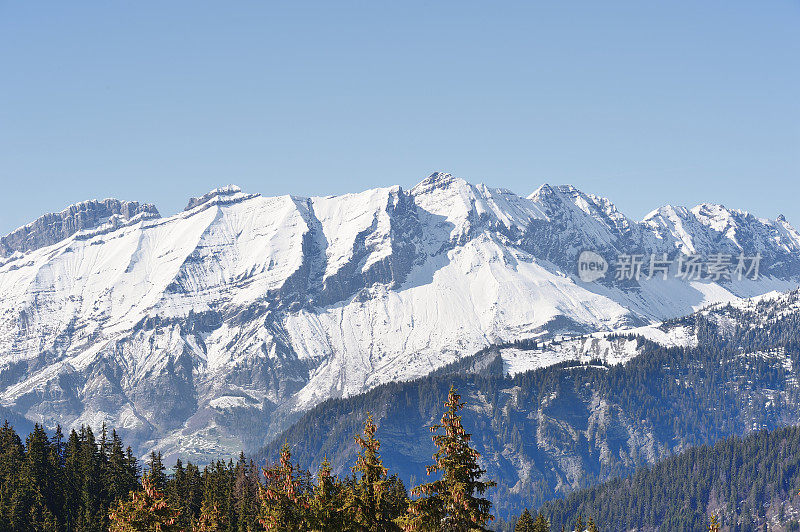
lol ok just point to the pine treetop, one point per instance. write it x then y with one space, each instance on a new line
454 501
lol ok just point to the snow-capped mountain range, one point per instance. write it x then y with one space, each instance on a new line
211 330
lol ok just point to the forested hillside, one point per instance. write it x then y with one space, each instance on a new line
745 483
545 433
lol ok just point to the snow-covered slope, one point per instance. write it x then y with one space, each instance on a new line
619 346
214 328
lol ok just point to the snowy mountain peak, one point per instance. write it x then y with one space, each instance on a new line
710 227
666 211
544 191
436 181
584 220
716 213
226 193
86 215
557 197
470 209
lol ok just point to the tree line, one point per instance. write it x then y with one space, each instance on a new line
90 483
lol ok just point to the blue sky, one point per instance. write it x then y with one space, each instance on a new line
644 102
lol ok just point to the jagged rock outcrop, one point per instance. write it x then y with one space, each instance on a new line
55 227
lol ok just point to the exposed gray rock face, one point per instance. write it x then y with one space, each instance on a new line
226 194
55 227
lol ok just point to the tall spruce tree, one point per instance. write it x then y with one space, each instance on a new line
39 476
156 471
73 478
541 524
525 522
284 505
121 477
211 519
245 495
396 498
191 491
56 456
12 456
217 482
144 510
454 502
327 508
92 512
370 502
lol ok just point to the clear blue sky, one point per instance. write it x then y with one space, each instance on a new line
644 102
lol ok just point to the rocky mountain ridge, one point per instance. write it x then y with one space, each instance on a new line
215 328
52 228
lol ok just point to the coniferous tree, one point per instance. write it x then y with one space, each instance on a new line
370 502
192 491
454 502
328 502
72 478
38 476
217 484
184 492
245 495
56 456
12 456
104 442
397 500
147 509
156 471
91 514
210 519
525 522
177 494
541 524
284 506
120 478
